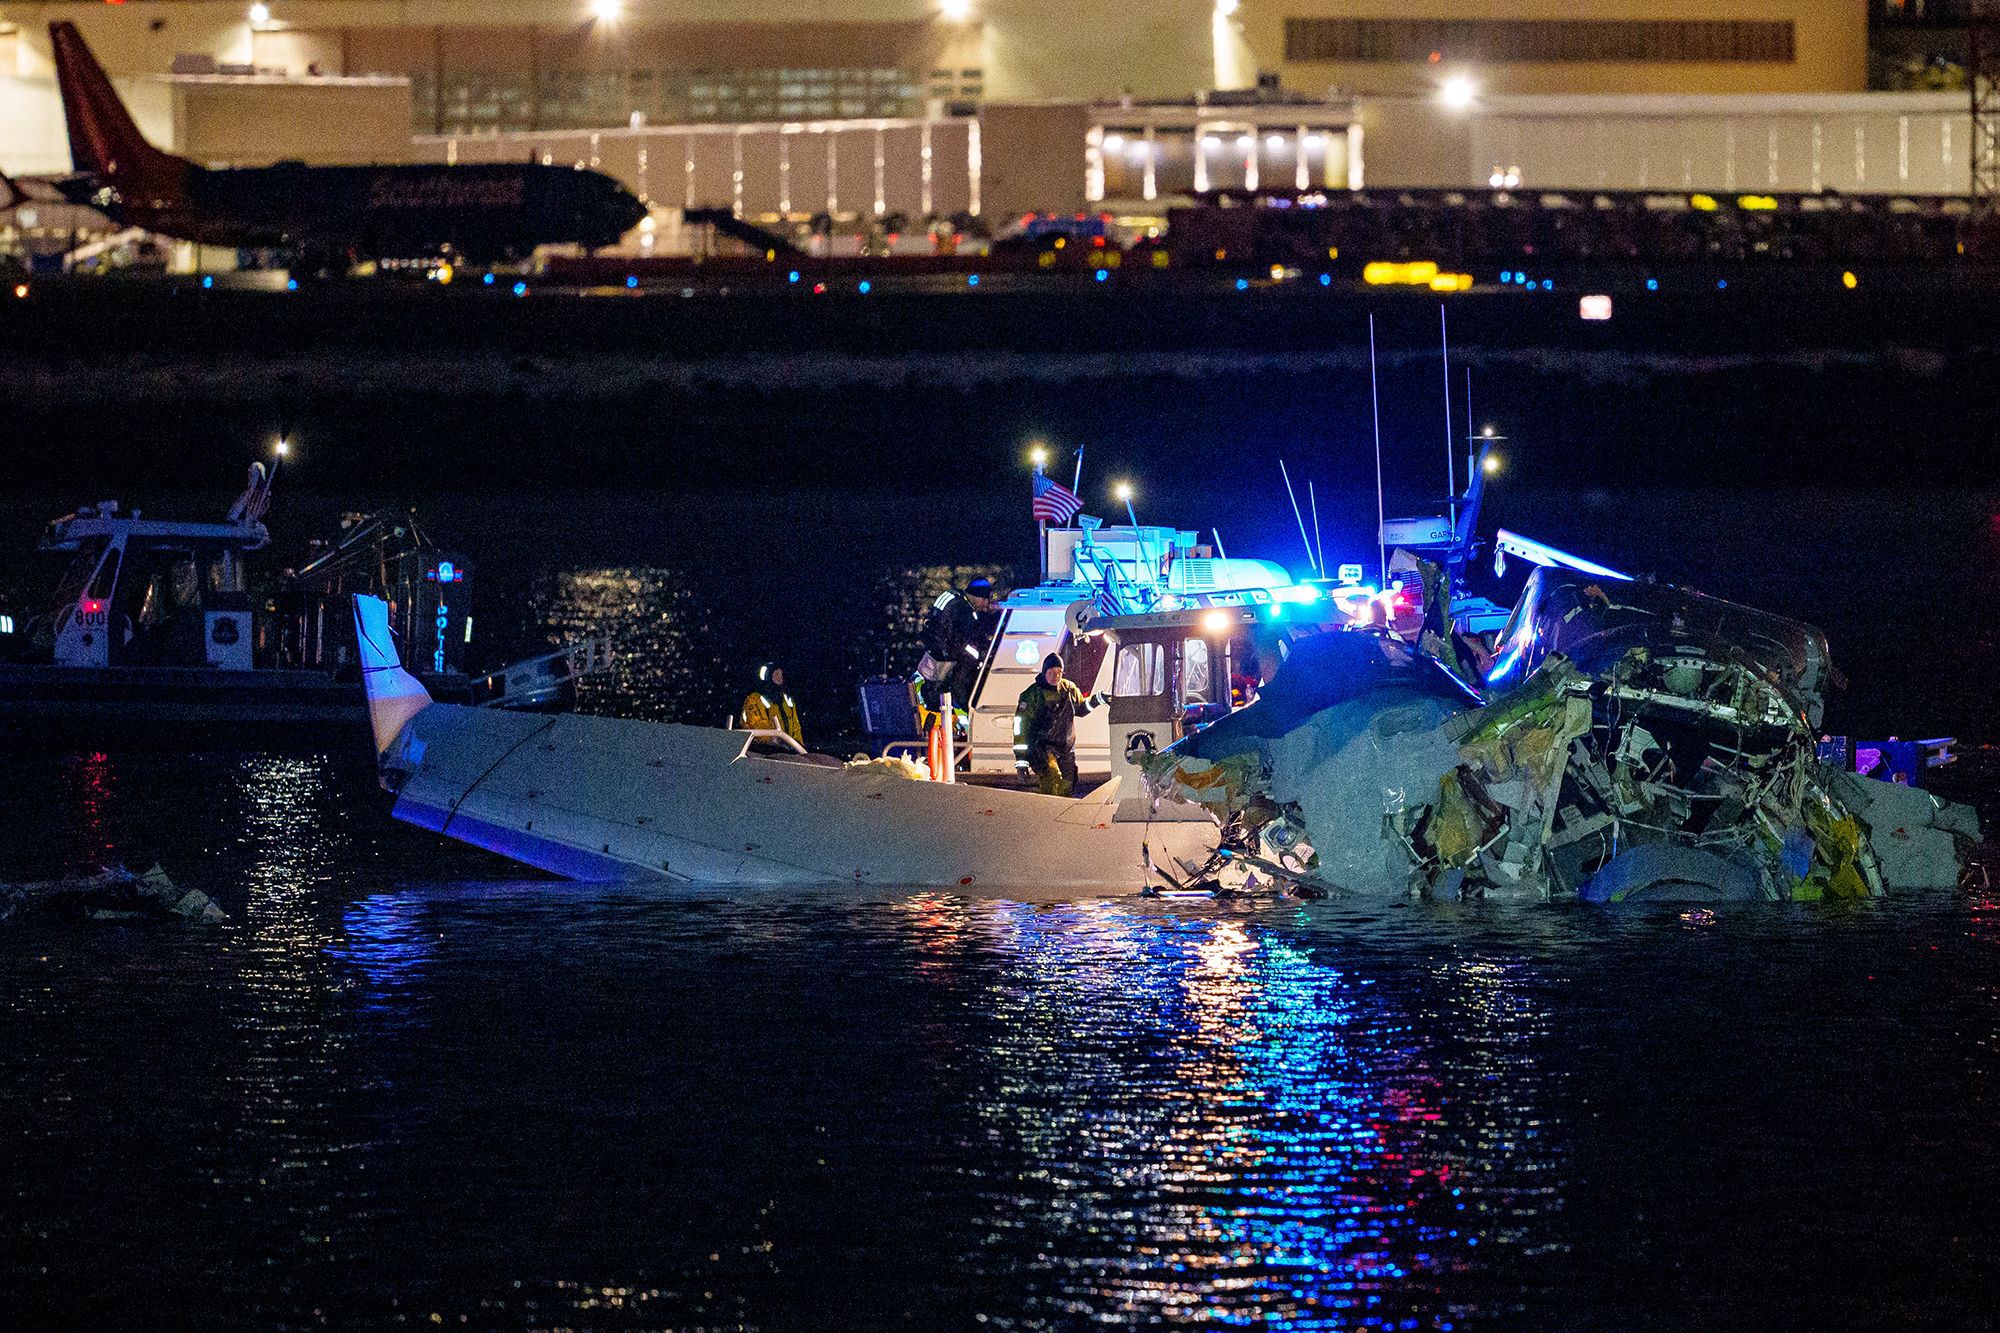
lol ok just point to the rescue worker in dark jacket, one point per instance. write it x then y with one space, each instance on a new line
1045 728
768 707
956 634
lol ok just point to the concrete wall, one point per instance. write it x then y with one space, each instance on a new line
1831 48
1028 49
253 122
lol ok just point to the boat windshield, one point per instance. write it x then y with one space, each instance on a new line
77 576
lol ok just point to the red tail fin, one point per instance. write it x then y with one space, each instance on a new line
102 138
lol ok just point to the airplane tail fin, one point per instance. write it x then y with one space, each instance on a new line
394 695
103 139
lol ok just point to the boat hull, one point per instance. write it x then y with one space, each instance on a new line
60 707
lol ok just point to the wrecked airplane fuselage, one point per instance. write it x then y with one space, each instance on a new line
1636 742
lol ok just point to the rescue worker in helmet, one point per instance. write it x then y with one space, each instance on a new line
1045 728
956 634
768 707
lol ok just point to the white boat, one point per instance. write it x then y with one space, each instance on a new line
1162 624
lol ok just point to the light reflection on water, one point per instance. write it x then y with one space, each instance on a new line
387 1089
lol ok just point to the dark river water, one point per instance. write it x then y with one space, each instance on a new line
403 1087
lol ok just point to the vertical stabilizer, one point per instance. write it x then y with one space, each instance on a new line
394 695
103 140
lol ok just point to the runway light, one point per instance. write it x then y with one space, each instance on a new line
1457 92
1849 281
260 12
1596 306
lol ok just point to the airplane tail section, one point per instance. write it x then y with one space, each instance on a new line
103 139
394 695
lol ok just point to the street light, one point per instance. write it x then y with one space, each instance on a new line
1457 93
1038 454
282 447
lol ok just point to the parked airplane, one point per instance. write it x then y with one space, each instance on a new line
324 215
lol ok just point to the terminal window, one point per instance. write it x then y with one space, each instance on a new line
1538 41
561 99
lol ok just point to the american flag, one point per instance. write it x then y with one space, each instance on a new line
1054 502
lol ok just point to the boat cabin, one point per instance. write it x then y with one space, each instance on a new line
150 592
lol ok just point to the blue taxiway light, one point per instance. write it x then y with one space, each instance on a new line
1506 275
488 280
1548 284
864 286
1326 280
1243 284
972 279
520 289
1721 283
1103 275
631 281
207 282
1652 284
291 284
793 276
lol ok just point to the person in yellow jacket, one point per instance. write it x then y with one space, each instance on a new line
768 707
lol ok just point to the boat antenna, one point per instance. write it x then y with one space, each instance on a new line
1470 454
1319 546
1219 550
1375 404
1292 495
1450 442
1076 482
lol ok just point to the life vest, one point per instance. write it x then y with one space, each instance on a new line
763 712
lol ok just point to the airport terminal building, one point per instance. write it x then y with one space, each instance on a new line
942 107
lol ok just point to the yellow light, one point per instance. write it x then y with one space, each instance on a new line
1849 281
1277 272
1216 622
1382 273
1123 490
1704 202
1333 252
1756 203
21 290
955 11
1039 454
444 274
1451 282
1491 465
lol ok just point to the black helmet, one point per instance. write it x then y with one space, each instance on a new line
1052 660
980 587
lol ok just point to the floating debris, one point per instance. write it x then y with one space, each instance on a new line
1637 742
112 894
